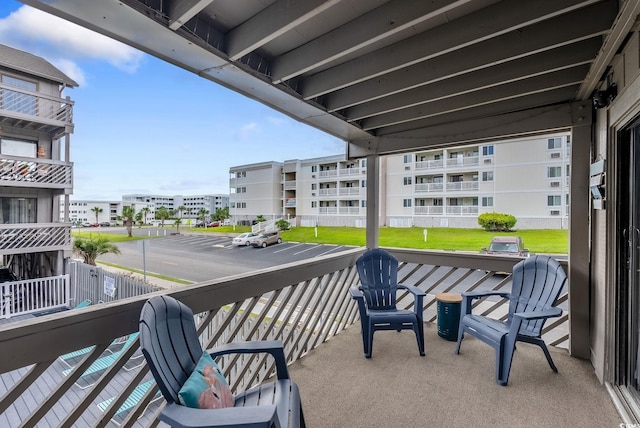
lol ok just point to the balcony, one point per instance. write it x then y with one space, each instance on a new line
349 210
428 187
328 173
35 111
463 161
349 191
461 186
429 164
462 210
351 171
39 173
307 306
428 210
330 191
34 237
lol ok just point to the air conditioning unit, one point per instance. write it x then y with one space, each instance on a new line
488 161
555 184
313 194
555 155
407 168
554 212
313 176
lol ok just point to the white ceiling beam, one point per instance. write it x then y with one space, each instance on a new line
274 21
528 122
546 35
519 88
493 21
180 12
380 23
527 102
541 63
621 27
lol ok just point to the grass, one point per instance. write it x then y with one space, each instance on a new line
155 275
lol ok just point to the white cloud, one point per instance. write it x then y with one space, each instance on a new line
64 43
247 130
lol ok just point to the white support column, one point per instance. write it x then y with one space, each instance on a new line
373 201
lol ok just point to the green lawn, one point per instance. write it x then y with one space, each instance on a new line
548 241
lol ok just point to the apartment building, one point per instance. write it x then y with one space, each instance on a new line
93 211
188 207
528 178
35 170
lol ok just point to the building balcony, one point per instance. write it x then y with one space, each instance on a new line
463 161
328 173
35 111
332 191
428 187
37 173
428 210
351 171
349 191
34 237
307 306
290 185
327 210
349 210
461 186
429 164
462 210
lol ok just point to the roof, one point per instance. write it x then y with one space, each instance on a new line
32 64
387 76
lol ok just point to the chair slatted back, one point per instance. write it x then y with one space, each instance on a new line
169 343
537 284
378 271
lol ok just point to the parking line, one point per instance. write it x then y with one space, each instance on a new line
304 251
287 248
332 249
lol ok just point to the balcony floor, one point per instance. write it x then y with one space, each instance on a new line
398 388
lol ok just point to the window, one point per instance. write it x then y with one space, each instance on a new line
487 176
18 101
18 210
407 158
407 181
554 143
314 168
364 203
241 190
554 171
487 201
406 203
13 147
314 186
554 200
437 202
314 204
363 183
363 163
487 150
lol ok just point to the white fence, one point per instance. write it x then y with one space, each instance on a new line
34 295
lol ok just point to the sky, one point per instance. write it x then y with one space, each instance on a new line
146 126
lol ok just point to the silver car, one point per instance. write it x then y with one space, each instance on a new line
265 239
244 238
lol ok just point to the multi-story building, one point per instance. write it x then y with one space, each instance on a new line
88 211
432 188
35 170
187 207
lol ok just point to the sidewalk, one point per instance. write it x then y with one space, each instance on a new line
159 282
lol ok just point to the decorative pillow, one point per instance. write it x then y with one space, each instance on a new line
207 387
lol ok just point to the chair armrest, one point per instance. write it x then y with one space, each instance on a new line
273 347
245 417
413 290
478 294
356 293
535 315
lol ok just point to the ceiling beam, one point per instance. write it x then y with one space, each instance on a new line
527 102
380 23
510 125
544 62
491 22
507 91
621 27
180 12
543 36
274 21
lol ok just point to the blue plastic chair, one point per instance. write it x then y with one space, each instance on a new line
537 283
169 342
376 297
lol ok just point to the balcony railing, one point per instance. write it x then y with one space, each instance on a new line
351 171
333 191
429 164
328 210
429 187
34 237
303 304
349 191
34 110
462 210
428 210
41 173
328 173
463 161
457 186
349 210
34 295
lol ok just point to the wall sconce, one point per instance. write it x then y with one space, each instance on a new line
602 99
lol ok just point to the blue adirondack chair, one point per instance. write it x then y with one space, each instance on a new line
376 297
169 342
537 283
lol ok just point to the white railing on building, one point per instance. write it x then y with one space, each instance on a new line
290 185
32 237
429 164
349 191
350 171
428 187
328 173
35 107
332 191
462 210
462 185
349 210
428 210
463 161
328 210
34 295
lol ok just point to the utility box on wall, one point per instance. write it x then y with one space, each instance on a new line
597 173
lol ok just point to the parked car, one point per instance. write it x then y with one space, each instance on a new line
244 238
105 224
265 239
507 246
87 224
213 224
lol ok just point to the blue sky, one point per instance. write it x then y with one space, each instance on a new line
145 126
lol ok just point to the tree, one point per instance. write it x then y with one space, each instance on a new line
127 218
145 211
260 218
96 210
177 222
139 218
162 214
181 209
90 248
202 214
221 214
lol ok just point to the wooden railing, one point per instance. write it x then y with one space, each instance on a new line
40 173
303 304
28 106
34 237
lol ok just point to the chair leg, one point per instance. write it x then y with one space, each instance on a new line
542 345
369 346
505 355
418 328
460 337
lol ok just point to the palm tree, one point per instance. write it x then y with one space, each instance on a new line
177 223
145 211
90 248
96 210
181 209
202 215
127 217
162 214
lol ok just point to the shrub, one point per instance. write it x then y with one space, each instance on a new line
283 224
497 222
